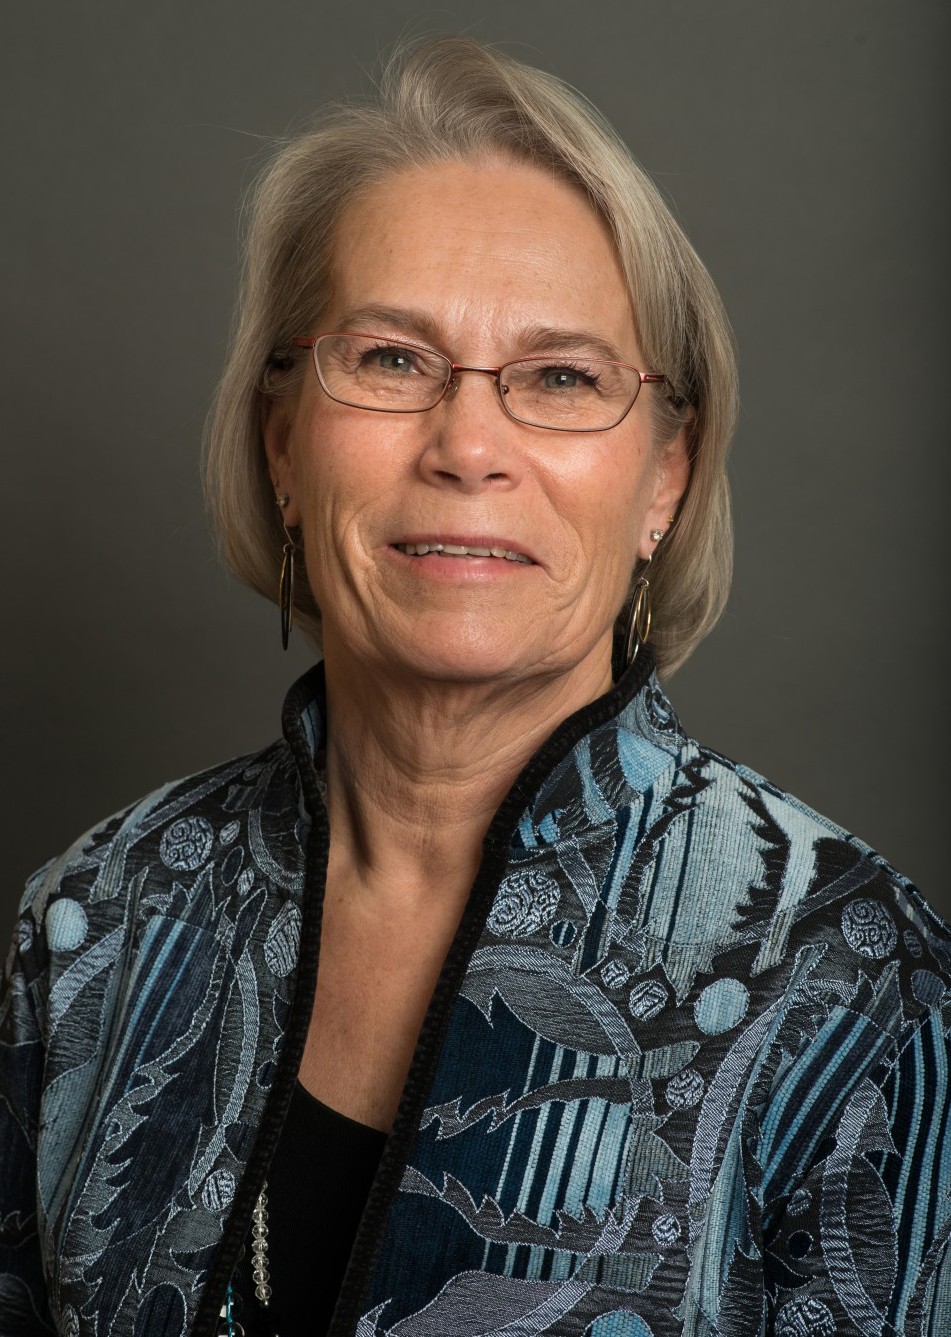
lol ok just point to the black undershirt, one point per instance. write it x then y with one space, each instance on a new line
317 1188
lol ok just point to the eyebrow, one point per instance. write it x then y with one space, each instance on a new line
531 339
408 320
551 339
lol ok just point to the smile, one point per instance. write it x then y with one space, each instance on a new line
461 550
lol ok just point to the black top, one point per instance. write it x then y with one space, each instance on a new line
317 1187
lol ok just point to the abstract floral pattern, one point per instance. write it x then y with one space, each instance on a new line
868 928
526 901
186 844
687 1071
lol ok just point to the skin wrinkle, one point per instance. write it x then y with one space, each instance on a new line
438 692
419 327
444 675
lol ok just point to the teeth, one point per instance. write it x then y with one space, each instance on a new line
458 550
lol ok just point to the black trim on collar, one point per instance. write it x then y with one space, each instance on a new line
308 687
495 848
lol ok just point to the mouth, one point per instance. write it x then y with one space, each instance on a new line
498 549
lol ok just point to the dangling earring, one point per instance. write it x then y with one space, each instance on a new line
285 595
638 618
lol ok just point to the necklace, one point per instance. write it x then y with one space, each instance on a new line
260 1272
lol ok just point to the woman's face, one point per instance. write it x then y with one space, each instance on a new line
484 262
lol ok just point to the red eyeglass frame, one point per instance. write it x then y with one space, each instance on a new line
311 342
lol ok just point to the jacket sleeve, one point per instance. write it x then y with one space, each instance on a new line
860 1238
24 1310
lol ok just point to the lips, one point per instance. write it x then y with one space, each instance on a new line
465 548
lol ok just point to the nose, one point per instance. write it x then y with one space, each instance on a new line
471 442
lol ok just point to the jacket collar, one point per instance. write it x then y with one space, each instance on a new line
580 777
537 806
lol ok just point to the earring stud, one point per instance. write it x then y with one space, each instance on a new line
657 535
283 500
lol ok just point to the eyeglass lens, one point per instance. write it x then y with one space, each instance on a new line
573 393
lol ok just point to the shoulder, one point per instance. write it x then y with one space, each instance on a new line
736 876
797 942
164 838
783 846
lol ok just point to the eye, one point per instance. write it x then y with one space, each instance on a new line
561 380
397 360
567 378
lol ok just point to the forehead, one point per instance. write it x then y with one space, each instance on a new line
487 249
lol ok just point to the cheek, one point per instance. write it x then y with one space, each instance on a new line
335 465
349 476
322 486
611 490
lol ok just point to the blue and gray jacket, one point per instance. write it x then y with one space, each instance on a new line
685 1071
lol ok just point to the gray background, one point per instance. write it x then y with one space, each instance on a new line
803 148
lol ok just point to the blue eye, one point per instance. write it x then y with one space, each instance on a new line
568 378
392 359
561 380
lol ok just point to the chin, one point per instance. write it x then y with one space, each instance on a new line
460 663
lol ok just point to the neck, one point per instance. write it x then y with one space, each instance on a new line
416 768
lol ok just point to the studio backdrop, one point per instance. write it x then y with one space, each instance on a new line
803 147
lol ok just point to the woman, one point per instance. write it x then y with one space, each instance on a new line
486 1001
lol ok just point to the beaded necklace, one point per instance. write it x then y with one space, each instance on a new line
260 1272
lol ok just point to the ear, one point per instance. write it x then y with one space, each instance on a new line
276 431
671 476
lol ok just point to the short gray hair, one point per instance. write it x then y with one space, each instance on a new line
455 98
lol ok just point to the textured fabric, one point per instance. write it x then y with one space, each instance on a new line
686 1069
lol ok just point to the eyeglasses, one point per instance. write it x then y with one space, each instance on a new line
564 393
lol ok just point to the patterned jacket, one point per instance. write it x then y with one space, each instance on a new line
686 1069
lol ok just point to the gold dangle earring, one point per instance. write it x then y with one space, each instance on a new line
285 595
639 615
